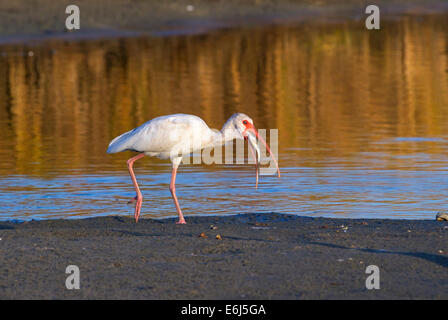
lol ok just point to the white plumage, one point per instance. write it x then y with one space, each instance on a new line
174 136
159 136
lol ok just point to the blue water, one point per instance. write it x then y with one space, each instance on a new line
362 120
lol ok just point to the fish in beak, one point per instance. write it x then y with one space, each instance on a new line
252 136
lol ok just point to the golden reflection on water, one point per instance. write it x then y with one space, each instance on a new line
341 97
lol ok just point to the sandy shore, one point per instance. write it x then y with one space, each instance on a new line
268 256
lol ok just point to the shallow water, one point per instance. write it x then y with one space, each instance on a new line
362 118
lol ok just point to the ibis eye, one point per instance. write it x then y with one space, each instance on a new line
245 122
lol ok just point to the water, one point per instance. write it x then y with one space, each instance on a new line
362 118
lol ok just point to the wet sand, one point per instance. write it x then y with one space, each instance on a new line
259 256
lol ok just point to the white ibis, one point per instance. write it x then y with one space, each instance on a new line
174 136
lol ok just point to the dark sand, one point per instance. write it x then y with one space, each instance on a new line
260 256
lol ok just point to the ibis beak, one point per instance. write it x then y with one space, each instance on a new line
252 136
255 152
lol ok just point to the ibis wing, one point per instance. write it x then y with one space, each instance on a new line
160 135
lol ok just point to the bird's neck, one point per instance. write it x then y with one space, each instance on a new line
228 132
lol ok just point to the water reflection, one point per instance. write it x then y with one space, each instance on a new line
361 115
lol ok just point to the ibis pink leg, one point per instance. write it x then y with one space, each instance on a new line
138 198
173 193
